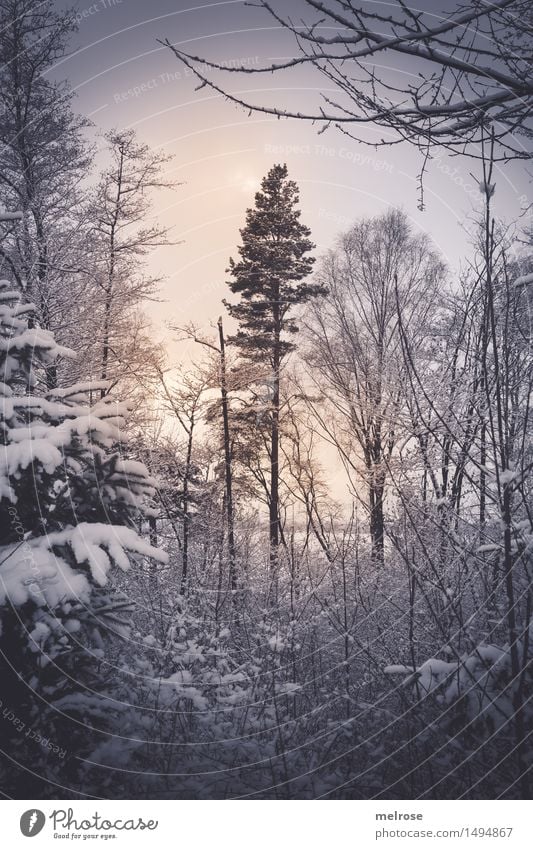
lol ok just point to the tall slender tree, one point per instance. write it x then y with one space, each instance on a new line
270 279
69 506
471 70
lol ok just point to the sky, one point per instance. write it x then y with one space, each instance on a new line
124 78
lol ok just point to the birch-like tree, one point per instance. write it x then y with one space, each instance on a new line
121 234
43 160
470 69
354 346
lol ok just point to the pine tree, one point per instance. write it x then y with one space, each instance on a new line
269 278
69 507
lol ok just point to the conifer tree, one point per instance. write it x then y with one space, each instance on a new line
270 279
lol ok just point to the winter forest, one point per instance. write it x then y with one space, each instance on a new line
267 532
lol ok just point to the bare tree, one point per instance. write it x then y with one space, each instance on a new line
119 239
481 429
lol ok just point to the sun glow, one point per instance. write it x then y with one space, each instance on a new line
245 182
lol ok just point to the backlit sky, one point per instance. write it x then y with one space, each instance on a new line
124 78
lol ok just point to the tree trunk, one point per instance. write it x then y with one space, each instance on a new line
377 522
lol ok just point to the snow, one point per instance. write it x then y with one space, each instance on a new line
487 188
80 389
30 572
432 673
181 683
191 653
18 456
33 571
132 468
36 337
61 435
39 634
